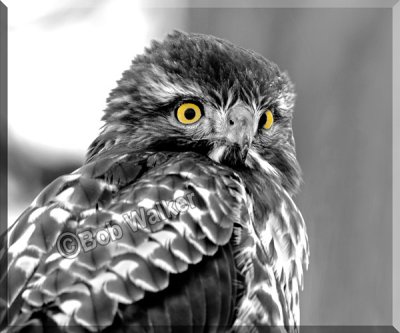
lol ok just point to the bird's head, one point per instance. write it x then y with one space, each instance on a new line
201 93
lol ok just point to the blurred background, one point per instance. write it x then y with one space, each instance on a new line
65 56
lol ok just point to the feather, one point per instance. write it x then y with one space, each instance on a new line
168 227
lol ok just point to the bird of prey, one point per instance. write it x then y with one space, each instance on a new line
181 219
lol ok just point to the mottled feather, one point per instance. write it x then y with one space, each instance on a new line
233 261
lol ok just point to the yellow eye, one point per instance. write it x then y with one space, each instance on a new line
267 119
188 113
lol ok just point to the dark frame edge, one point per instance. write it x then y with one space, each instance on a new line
3 155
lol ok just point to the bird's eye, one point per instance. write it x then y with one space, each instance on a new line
188 113
267 119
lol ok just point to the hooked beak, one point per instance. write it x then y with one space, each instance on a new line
240 129
238 137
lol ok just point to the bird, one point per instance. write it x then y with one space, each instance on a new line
182 217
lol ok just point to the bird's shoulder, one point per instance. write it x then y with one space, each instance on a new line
115 229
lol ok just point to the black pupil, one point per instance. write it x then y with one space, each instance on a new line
190 114
263 120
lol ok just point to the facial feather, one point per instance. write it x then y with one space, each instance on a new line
220 76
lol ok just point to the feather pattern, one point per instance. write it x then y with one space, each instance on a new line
111 280
168 227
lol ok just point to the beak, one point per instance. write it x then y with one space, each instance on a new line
238 134
240 130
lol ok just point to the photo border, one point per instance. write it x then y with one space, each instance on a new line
3 150
393 4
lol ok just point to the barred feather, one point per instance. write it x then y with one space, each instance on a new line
89 289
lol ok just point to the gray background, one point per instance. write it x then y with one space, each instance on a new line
341 63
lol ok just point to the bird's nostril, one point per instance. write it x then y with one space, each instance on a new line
231 122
